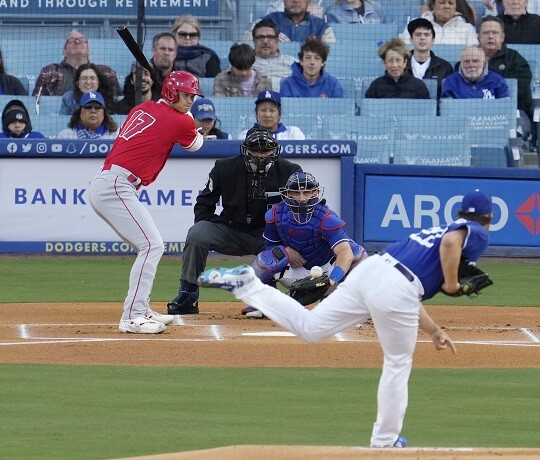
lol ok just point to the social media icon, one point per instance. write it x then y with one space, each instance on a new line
26 148
41 147
56 148
12 147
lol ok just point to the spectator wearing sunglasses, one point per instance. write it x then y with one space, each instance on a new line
190 55
56 79
92 120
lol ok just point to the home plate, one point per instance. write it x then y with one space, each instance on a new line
269 334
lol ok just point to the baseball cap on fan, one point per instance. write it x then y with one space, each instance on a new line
269 96
92 96
477 202
203 109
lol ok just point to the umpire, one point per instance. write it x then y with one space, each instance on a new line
248 185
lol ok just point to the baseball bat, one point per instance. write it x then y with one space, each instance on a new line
137 53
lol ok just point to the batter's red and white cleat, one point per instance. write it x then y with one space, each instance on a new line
227 278
141 325
163 319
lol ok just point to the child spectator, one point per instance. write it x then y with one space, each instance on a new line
241 79
16 122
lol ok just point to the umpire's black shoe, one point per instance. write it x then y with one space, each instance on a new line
183 304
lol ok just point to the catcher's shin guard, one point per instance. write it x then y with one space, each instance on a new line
270 262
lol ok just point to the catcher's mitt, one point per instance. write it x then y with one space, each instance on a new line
471 279
309 290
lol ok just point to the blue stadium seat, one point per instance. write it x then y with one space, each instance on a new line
317 106
492 156
50 126
372 33
206 85
398 107
28 101
360 66
235 113
512 87
490 120
311 125
432 141
531 53
50 105
450 53
375 139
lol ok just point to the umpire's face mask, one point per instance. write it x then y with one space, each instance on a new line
259 161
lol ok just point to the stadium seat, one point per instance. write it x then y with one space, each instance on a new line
49 105
490 120
375 139
398 107
372 33
235 113
450 53
311 125
317 106
432 141
50 126
493 156
206 85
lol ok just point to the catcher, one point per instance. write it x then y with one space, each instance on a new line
302 232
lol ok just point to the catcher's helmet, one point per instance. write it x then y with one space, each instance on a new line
179 80
259 139
302 209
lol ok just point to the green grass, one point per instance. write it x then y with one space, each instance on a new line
101 279
88 412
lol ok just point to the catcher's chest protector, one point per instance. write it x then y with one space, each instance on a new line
305 238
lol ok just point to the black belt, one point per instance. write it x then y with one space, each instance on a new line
401 268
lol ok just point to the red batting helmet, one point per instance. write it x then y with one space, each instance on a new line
179 80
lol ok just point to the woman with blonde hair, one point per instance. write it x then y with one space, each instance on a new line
190 55
397 81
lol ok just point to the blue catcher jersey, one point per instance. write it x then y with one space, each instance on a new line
420 252
314 239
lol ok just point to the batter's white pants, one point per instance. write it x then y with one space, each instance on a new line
375 289
116 201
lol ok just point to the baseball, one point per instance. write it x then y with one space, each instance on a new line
316 272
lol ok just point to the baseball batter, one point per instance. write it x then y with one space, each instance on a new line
301 232
137 157
388 287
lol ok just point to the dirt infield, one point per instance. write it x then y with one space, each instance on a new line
88 334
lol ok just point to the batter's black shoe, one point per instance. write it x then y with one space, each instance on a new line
183 304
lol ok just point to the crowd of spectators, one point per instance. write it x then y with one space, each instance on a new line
258 68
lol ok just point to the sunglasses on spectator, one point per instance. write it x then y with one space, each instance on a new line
265 37
188 34
72 41
93 107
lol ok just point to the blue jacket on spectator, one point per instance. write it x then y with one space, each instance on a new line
490 85
344 13
311 25
297 86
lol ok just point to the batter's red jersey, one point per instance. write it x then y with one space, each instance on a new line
147 137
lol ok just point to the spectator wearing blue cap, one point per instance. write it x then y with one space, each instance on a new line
309 78
204 113
91 120
268 115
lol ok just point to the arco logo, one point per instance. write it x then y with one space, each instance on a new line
528 213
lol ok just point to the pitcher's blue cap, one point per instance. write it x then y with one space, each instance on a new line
477 202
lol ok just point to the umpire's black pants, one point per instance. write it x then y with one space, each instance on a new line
207 236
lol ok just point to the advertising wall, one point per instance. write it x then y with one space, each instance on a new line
395 201
44 205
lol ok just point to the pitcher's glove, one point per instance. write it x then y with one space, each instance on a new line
471 279
309 290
